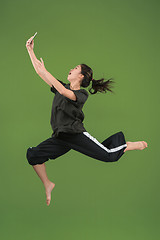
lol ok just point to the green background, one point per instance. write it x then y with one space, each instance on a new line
91 199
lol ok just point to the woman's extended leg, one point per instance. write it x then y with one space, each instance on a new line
40 169
110 150
140 145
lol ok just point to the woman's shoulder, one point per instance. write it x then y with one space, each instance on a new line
84 91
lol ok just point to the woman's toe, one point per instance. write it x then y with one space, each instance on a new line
145 144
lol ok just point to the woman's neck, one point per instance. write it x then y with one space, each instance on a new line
74 87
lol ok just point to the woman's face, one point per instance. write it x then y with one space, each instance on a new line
74 73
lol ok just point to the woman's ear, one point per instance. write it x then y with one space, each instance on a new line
82 76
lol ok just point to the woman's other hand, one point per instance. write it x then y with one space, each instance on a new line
41 70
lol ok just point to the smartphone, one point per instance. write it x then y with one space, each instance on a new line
33 37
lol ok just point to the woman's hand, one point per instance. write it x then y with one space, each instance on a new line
41 70
29 45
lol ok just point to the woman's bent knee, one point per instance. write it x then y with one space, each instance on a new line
31 156
34 158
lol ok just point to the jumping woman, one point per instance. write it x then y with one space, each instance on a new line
67 122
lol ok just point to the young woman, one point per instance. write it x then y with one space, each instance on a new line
67 122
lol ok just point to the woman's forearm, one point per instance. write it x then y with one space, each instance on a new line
33 59
49 78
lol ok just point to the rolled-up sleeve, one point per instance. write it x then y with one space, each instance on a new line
53 89
81 97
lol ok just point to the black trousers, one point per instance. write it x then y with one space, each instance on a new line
110 150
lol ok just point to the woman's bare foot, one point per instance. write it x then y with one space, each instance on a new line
140 145
49 187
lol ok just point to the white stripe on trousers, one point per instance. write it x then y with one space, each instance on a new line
102 146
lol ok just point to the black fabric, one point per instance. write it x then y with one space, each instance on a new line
67 115
110 150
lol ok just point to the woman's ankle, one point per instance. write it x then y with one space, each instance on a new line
47 183
128 146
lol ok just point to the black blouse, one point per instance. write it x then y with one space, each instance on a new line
66 114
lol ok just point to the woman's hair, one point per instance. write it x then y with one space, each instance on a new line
97 85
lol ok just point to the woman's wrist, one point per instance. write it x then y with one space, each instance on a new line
30 50
32 54
44 73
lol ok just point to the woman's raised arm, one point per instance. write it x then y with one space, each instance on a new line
41 70
33 59
30 46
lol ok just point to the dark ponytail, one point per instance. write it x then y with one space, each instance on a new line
97 85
